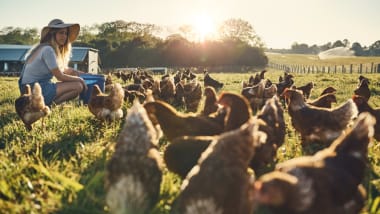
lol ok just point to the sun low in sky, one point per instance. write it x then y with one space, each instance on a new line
204 27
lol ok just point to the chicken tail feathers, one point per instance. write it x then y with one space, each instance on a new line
117 96
27 90
37 98
96 90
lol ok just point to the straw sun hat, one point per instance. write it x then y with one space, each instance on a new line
58 23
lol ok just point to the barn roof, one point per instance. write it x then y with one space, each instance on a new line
13 52
79 54
17 53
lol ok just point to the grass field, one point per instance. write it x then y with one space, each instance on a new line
60 168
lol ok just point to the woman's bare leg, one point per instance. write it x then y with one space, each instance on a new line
67 91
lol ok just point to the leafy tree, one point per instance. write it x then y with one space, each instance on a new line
315 49
240 30
87 33
300 48
176 50
357 48
338 43
326 46
11 35
374 49
346 43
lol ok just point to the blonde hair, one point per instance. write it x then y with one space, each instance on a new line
63 52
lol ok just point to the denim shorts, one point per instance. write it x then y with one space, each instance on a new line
49 90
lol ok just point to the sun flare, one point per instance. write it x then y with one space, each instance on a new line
204 27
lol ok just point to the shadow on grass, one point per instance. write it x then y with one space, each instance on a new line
8 100
65 147
91 199
7 118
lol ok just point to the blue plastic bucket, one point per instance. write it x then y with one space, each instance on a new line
91 80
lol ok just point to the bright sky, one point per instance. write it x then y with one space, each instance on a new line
278 22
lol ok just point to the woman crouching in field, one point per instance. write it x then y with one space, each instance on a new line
50 59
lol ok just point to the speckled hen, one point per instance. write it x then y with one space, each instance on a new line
134 171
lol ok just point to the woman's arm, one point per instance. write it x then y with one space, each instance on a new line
73 72
61 76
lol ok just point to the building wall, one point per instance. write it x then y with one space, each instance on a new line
92 62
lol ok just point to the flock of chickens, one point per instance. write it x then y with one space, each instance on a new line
220 151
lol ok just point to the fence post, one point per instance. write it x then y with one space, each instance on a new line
360 68
350 68
372 67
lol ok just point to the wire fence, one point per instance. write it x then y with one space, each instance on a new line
348 68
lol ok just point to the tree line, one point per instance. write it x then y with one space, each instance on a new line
132 44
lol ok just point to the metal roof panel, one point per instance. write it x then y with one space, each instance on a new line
12 54
78 55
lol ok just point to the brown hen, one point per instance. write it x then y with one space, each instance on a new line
183 152
315 124
211 104
286 83
220 182
192 95
363 89
323 101
328 90
237 109
134 173
167 89
363 106
179 99
328 182
255 95
209 81
273 124
175 124
306 89
130 96
107 107
30 106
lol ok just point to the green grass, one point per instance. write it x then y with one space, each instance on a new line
60 167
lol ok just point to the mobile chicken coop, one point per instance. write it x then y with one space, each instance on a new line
12 59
